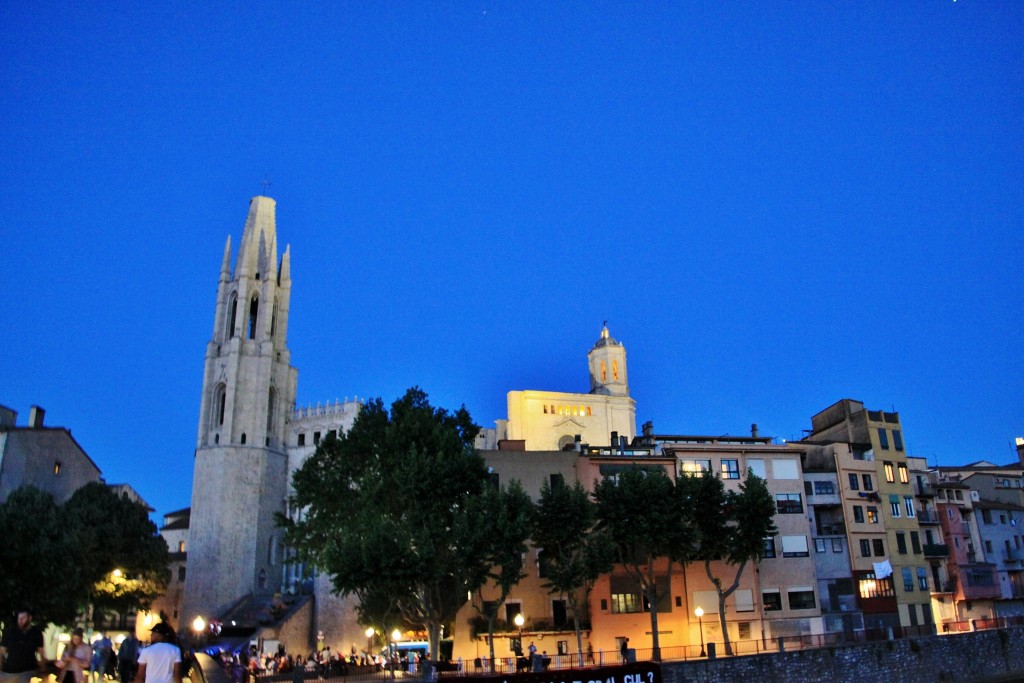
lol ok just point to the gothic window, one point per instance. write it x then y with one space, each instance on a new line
243 438
615 370
604 372
270 413
233 311
254 307
220 398
273 319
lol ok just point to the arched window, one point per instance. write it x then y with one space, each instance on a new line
273 318
604 372
243 438
615 370
254 308
232 313
220 403
271 400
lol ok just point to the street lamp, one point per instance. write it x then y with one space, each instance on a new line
199 626
369 640
519 621
700 613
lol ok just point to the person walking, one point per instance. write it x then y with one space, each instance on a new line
21 651
101 649
127 658
75 659
161 661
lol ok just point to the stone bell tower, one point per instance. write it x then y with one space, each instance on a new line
241 465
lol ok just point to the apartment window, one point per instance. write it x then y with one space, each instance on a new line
769 547
1002 519
889 472
801 598
883 439
894 506
870 587
794 546
837 545
988 546
730 469
868 484
625 603
789 503
879 547
743 630
904 474
302 440
908 503
785 468
915 542
922 578
772 601
986 516
694 467
757 468
865 548
858 514
908 580
824 488
819 545
872 514
854 482
897 440
901 543
316 437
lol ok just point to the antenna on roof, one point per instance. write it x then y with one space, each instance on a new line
266 184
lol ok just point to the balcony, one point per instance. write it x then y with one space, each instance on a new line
927 517
923 489
1013 555
936 550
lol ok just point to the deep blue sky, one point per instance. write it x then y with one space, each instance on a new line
776 205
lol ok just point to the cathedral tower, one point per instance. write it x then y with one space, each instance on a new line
608 366
241 465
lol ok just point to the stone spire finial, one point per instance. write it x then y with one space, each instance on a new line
225 266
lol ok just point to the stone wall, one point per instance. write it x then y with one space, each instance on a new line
959 657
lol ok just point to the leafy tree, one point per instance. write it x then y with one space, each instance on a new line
640 511
121 552
572 552
39 559
732 527
386 507
502 519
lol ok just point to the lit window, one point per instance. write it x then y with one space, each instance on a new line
730 469
870 587
604 372
889 472
615 370
181 546
872 514
57 466
904 474
694 466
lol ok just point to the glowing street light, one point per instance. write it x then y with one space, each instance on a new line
700 613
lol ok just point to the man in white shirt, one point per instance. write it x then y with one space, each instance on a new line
161 661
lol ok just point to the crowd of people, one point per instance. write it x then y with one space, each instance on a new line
246 665
23 657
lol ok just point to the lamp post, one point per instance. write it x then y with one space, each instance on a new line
519 621
700 623
369 640
198 627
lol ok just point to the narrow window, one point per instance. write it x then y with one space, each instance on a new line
872 514
615 370
181 546
897 440
604 372
858 514
868 483
865 548
889 473
273 319
908 580
233 312
904 474
254 308
854 482
883 439
222 399
57 466
901 543
243 438
302 440
271 408
915 542
879 547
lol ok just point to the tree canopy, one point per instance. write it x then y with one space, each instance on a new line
388 509
97 549
572 552
642 514
731 527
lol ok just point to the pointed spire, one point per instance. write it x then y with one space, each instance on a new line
260 229
285 275
225 266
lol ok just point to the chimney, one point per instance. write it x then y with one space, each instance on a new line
648 428
615 440
35 417
753 430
